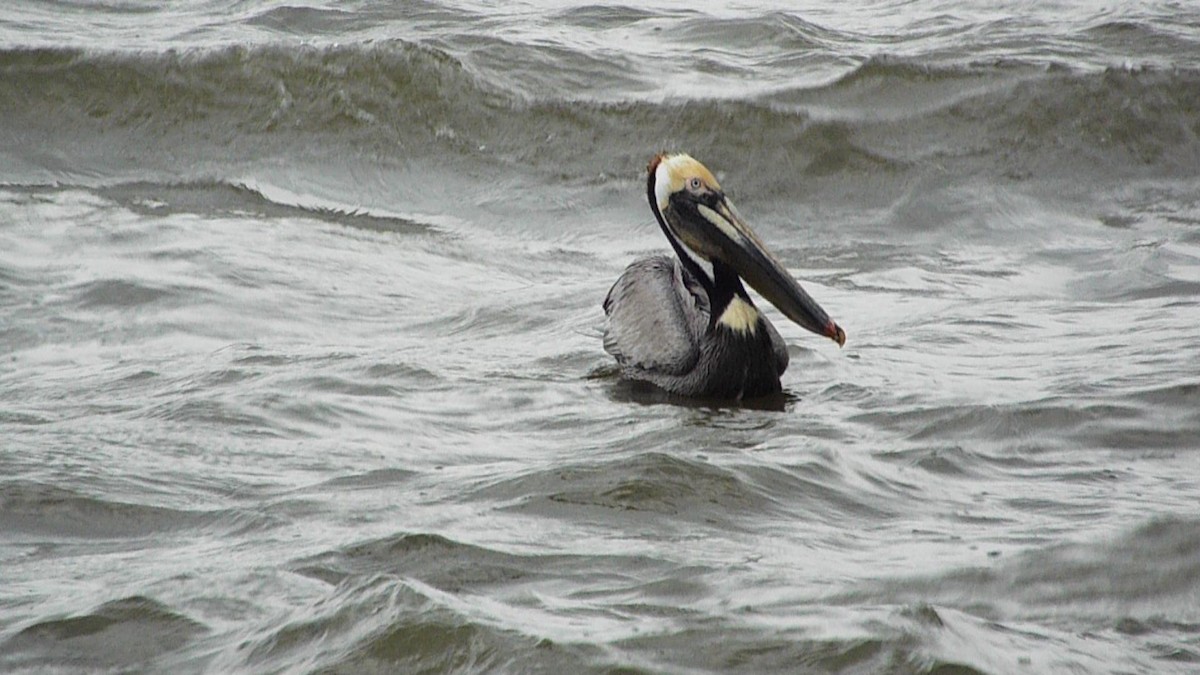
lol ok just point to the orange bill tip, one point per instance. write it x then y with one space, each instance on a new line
836 333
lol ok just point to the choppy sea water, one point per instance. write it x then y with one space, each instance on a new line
300 366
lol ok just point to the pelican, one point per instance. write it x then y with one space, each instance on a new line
686 324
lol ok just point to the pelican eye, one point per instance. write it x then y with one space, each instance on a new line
694 184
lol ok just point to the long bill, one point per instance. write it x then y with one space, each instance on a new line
742 250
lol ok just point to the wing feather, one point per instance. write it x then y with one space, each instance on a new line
656 316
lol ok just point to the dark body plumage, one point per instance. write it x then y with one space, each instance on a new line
661 330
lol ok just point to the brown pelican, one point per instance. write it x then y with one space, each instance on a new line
687 324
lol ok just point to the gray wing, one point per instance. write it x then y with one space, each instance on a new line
656 316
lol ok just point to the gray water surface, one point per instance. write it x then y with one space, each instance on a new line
300 358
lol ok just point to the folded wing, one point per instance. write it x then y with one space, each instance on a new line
656 316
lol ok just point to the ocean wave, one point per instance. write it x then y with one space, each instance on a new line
244 197
39 510
387 624
102 638
1147 573
671 488
210 113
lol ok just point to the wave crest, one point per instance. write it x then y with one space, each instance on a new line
396 102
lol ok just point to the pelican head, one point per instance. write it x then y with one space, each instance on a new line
702 225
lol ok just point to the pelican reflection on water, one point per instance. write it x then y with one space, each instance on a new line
686 324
